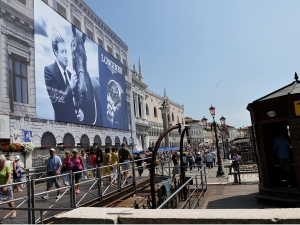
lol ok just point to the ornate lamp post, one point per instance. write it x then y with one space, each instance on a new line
222 129
214 125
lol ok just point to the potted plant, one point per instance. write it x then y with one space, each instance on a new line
27 147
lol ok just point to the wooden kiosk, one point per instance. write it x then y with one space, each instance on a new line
271 115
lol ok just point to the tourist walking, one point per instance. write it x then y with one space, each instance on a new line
198 160
125 158
93 164
236 161
213 154
107 164
175 159
53 168
84 160
99 158
17 172
208 159
139 164
191 160
77 165
114 162
6 193
148 155
66 168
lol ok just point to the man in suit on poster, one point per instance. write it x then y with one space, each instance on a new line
60 83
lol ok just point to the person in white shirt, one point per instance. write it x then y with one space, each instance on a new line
213 154
208 160
236 160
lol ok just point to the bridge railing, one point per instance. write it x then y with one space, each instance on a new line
96 186
188 195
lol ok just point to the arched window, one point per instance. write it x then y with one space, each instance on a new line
48 140
155 112
134 106
147 110
172 117
140 106
125 140
108 141
69 140
85 140
97 140
117 141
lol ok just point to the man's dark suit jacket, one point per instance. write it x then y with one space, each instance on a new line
60 94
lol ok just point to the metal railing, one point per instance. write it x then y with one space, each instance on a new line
244 173
95 187
188 195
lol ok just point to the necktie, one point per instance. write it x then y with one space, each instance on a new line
65 76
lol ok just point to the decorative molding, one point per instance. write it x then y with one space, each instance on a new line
107 39
18 49
89 23
123 54
76 11
64 2
99 32
116 47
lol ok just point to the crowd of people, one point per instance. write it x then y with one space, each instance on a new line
195 155
73 162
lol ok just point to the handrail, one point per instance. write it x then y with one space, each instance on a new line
181 188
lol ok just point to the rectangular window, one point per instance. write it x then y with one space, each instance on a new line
77 23
100 42
89 33
22 1
117 56
20 81
109 49
61 10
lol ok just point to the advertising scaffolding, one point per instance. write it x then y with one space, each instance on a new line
76 80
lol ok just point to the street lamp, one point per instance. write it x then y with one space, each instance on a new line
214 125
222 129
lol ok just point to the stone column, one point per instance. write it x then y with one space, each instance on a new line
164 112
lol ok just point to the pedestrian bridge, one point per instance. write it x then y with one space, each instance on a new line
97 191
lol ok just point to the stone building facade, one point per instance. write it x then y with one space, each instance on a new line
175 115
17 56
148 117
139 105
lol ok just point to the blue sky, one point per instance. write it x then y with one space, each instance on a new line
221 53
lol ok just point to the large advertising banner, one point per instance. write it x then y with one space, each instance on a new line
76 80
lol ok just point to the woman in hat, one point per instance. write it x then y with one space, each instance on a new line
17 172
77 165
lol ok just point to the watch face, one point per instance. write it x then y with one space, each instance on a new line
114 92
